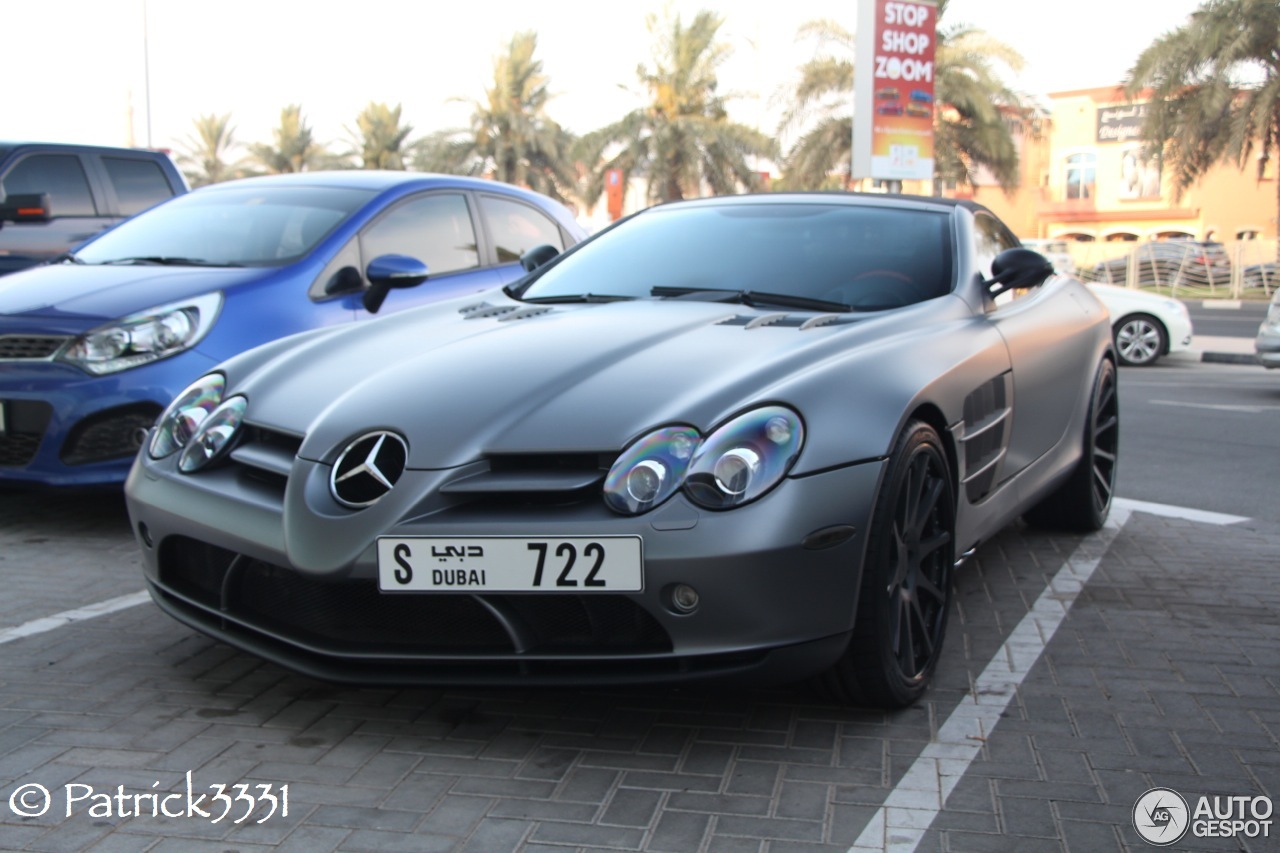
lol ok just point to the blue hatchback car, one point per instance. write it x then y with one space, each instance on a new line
92 348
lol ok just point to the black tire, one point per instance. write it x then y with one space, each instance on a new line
1083 502
1140 340
905 594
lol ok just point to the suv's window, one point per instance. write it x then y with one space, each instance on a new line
516 228
436 229
59 175
139 183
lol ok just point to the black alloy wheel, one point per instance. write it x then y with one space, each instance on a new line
905 593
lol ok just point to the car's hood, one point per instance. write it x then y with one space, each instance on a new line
98 293
512 378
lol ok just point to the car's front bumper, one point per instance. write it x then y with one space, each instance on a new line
268 573
1267 347
65 427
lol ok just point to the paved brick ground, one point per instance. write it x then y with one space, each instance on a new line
1165 673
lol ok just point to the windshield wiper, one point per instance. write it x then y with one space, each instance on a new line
752 298
577 297
171 261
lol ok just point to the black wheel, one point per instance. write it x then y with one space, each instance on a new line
906 580
1140 340
1083 502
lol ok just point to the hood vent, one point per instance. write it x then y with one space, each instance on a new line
523 314
484 310
786 321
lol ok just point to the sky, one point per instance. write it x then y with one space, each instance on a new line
83 71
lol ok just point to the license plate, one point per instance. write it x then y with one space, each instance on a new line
574 564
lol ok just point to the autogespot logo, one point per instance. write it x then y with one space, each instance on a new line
1161 817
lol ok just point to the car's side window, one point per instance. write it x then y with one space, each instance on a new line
60 175
138 183
436 229
992 238
516 228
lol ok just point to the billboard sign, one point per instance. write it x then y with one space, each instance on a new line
893 89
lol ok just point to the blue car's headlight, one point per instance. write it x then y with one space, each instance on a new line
745 458
185 415
215 436
143 337
651 470
736 464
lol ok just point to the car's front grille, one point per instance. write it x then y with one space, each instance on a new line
30 347
351 617
25 422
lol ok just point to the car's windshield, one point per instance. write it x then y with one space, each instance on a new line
233 226
863 257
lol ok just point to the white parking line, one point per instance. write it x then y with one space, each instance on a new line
915 801
66 617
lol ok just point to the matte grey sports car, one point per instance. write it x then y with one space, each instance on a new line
732 437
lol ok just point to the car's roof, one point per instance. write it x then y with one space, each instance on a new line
361 179
916 202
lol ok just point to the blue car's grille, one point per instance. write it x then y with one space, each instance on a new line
30 347
24 425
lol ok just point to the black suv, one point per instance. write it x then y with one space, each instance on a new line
56 196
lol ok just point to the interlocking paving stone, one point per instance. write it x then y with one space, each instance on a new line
1166 672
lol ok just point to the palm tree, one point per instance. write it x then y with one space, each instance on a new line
511 137
204 158
970 130
683 139
294 148
380 139
1214 90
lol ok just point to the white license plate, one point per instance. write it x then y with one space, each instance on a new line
573 564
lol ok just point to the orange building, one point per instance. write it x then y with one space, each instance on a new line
1084 179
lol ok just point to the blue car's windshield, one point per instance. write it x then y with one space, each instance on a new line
860 257
233 226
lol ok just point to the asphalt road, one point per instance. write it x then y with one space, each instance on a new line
1239 322
1202 435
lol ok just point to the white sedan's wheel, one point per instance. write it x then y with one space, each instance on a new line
1140 340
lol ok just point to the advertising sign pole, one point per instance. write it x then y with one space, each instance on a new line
893 102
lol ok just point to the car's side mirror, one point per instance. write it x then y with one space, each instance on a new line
26 207
1016 268
387 271
537 256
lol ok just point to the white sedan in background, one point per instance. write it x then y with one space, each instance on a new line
1145 326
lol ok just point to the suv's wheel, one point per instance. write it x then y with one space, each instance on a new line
1140 340
906 580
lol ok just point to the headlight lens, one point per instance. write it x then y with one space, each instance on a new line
651 470
214 437
144 337
185 415
745 458
738 463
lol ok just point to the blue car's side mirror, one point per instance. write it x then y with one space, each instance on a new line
387 271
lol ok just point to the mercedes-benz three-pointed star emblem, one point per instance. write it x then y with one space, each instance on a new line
368 468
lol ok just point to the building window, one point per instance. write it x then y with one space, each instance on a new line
1080 175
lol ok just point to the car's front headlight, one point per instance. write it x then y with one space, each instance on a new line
215 437
185 414
745 458
1178 307
736 464
144 337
